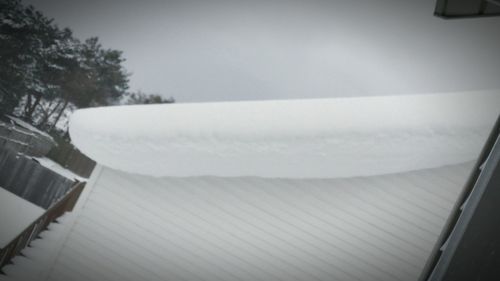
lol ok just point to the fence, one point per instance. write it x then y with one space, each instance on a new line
65 204
72 159
24 141
31 181
28 179
36 144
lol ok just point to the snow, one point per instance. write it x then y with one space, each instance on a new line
34 261
317 138
146 203
50 164
133 227
16 214
30 127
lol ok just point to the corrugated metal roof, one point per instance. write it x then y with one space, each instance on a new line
136 227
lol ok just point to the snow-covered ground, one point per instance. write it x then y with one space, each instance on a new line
321 138
16 214
50 164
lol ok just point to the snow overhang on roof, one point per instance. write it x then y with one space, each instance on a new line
317 138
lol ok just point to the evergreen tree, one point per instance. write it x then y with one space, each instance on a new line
142 98
45 70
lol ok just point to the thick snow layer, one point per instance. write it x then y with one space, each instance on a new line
16 214
321 138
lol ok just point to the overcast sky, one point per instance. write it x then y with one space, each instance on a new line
271 49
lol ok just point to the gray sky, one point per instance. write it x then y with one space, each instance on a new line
275 49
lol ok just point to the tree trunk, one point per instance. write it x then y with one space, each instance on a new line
27 105
59 115
49 113
29 108
38 98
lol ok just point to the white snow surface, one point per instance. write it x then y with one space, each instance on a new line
16 214
30 127
317 138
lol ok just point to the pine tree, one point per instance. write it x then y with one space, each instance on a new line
45 70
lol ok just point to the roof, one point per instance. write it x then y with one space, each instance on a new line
321 138
337 189
135 227
471 232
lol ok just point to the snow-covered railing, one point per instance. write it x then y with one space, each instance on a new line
27 179
65 204
25 141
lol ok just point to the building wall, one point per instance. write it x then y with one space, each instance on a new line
133 227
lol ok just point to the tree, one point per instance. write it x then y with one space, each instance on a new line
45 71
142 98
96 78
101 75
23 35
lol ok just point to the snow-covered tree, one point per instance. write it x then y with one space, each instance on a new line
46 72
